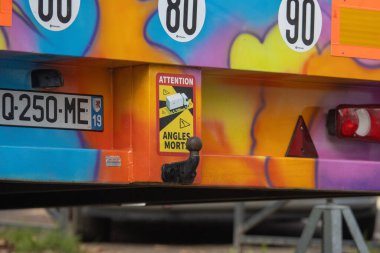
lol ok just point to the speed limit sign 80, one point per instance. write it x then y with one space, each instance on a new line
182 20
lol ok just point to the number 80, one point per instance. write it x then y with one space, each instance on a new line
173 7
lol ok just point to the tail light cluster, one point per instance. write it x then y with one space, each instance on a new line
361 122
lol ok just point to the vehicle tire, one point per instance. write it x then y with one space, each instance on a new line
90 229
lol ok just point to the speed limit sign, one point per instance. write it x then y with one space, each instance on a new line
300 23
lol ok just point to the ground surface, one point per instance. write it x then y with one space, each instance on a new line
123 248
39 217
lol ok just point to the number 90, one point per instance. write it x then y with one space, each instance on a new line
300 23
307 36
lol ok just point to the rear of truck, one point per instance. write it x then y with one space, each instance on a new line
84 88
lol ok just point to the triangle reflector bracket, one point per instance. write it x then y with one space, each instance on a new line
301 144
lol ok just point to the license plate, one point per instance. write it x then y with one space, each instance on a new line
51 110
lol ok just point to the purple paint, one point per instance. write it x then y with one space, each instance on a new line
220 42
330 147
24 35
367 63
348 175
255 119
325 38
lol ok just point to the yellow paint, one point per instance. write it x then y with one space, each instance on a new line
326 65
232 103
232 171
273 55
278 120
130 43
228 109
3 42
360 27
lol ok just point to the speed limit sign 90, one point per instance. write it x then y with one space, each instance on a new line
182 20
300 23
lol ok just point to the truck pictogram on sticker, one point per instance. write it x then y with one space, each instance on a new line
176 110
177 101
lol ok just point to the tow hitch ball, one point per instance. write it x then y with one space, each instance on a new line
183 172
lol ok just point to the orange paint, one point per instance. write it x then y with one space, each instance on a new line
232 171
5 12
156 159
292 172
127 22
345 50
109 174
135 123
325 65
92 81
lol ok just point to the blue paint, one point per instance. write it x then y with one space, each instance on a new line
17 76
38 137
44 164
219 14
76 39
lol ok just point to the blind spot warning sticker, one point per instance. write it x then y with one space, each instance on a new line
176 111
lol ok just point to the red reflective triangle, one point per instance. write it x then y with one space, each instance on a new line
301 144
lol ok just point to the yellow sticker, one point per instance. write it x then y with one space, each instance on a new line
176 111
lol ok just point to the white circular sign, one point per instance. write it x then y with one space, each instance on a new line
300 23
55 15
182 20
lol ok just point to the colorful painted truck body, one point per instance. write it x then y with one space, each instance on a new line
249 68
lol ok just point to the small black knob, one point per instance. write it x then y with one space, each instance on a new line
183 172
194 144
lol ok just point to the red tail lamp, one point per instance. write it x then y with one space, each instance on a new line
359 122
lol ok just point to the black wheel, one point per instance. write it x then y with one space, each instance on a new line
90 228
